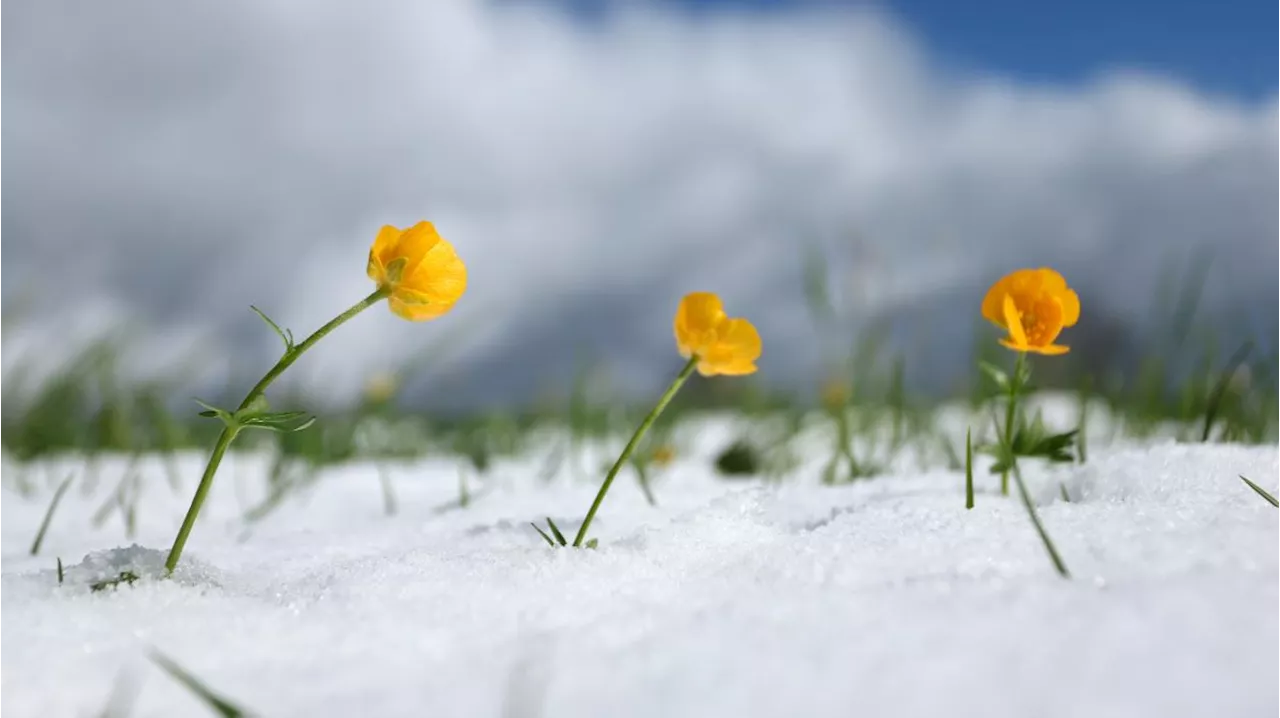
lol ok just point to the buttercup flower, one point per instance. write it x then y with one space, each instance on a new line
1033 305
835 393
381 387
663 455
722 345
419 269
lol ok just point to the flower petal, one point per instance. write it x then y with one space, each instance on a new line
992 303
696 321
438 279
734 351
416 312
385 239
1070 303
1014 345
741 338
1050 349
1051 281
1013 321
414 244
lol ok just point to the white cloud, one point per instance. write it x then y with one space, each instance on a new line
184 161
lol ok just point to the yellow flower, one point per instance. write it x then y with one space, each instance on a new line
1033 305
381 387
722 345
835 393
419 270
663 455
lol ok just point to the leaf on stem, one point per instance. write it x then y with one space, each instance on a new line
285 335
997 375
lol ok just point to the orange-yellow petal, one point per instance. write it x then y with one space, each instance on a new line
386 239
420 270
1050 349
1013 321
1070 303
734 352
415 312
412 245
439 277
992 303
697 319
741 336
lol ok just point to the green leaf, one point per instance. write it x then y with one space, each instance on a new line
125 577
281 421
997 374
256 405
1057 445
592 543
285 335
1023 375
213 412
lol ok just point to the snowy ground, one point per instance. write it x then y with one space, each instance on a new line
731 598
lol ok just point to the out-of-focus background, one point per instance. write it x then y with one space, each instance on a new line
842 174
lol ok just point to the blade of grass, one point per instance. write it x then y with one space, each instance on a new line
124 695
216 703
1262 492
968 469
556 531
48 515
543 534
1220 390
389 505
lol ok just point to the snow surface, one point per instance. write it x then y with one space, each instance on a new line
731 598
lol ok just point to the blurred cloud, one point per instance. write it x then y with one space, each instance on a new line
168 164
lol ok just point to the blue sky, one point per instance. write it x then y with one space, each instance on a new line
1221 47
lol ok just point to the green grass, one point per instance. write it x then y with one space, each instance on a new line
217 704
48 515
1262 492
1183 384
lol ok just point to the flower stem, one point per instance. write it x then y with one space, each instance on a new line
1015 386
1035 520
229 434
631 445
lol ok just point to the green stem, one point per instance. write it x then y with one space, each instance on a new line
229 434
1035 520
631 445
292 355
1015 385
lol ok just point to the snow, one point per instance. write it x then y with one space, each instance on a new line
730 598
